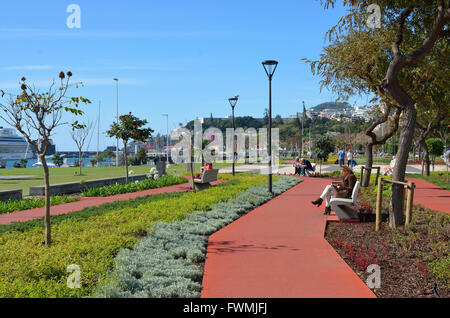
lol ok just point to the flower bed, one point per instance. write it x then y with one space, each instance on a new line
92 238
166 264
414 261
146 184
13 205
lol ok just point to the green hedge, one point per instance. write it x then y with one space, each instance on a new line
30 269
163 265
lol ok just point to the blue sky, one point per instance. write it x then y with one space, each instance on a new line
184 58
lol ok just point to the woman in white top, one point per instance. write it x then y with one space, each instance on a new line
388 170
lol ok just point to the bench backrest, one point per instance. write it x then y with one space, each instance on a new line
209 175
355 192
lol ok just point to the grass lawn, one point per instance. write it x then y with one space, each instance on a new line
64 175
438 178
61 175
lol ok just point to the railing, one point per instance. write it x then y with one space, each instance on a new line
369 171
409 201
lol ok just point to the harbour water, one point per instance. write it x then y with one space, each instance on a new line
71 161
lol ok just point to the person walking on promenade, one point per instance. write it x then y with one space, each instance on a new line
341 157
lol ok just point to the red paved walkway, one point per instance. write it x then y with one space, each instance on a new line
65 208
279 251
431 196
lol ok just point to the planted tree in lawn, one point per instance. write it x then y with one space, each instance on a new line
36 115
414 29
322 147
105 154
22 163
141 156
129 128
432 95
57 159
79 136
353 65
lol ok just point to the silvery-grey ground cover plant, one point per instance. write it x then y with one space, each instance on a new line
165 264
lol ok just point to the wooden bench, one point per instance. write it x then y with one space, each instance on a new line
204 182
344 207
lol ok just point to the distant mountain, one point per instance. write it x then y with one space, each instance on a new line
331 105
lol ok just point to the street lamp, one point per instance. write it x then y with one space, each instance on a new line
167 138
303 117
233 101
270 66
117 119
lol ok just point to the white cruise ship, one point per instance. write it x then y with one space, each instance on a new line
12 146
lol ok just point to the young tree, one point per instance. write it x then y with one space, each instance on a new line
414 28
322 147
435 147
37 114
141 156
129 128
79 136
105 154
57 159
22 163
93 161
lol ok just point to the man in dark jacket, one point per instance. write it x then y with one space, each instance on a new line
305 165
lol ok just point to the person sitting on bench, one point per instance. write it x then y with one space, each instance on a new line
342 190
207 167
305 165
296 165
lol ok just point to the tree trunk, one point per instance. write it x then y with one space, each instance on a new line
79 160
48 236
125 160
369 163
406 136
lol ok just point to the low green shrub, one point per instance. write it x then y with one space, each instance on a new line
28 268
440 269
145 184
13 205
87 212
163 265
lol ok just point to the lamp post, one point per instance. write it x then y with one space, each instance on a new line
117 120
167 138
233 101
270 66
303 117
